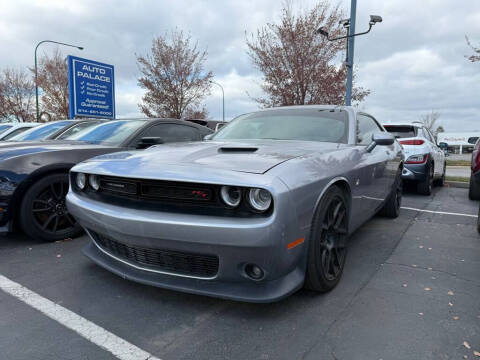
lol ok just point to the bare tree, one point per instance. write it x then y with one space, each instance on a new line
440 129
476 56
429 119
173 76
196 114
53 80
298 65
16 96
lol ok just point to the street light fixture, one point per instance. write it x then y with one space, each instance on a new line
349 25
346 24
36 71
223 99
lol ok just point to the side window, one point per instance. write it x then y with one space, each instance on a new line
366 127
432 138
15 132
172 132
426 134
76 128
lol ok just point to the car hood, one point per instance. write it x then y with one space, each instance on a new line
251 157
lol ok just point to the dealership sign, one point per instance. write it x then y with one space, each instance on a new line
91 88
457 138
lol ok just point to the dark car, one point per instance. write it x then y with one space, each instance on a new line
34 175
52 130
474 188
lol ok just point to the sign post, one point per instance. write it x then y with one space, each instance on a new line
91 88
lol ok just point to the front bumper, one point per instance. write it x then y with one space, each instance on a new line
415 172
236 242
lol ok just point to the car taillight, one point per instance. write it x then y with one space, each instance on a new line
412 142
417 159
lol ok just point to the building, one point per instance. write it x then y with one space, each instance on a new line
458 142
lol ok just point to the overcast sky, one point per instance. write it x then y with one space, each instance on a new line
413 62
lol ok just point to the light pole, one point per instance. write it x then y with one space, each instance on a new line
349 24
223 99
36 74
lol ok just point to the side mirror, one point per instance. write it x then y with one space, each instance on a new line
382 139
208 137
219 126
146 142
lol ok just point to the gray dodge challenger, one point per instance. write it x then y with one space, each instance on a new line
255 212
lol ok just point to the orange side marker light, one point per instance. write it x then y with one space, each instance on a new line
295 243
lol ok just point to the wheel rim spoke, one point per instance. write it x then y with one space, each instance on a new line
45 204
70 219
55 224
49 220
339 218
57 190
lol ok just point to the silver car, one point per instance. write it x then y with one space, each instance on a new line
256 212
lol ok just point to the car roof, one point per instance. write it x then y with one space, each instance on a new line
336 107
20 124
416 124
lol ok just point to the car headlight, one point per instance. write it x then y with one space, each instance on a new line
81 180
94 182
231 195
259 199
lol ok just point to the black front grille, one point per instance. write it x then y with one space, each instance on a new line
166 191
181 263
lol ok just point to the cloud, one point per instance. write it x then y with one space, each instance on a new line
413 61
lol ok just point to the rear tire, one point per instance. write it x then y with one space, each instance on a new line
425 187
441 181
328 239
391 208
43 214
473 189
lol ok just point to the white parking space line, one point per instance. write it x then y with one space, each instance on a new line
106 340
439 212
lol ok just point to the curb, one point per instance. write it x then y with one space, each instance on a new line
457 184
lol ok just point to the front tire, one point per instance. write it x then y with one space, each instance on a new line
425 187
43 214
328 239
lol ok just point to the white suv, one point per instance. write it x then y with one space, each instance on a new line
424 160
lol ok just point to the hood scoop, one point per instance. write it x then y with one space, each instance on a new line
237 149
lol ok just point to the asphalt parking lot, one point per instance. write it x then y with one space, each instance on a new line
411 290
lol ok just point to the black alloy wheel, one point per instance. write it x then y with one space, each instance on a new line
392 205
44 214
328 242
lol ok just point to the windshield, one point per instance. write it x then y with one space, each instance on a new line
4 128
113 133
401 131
75 129
41 132
308 124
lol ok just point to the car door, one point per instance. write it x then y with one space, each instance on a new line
169 132
432 148
439 155
376 178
